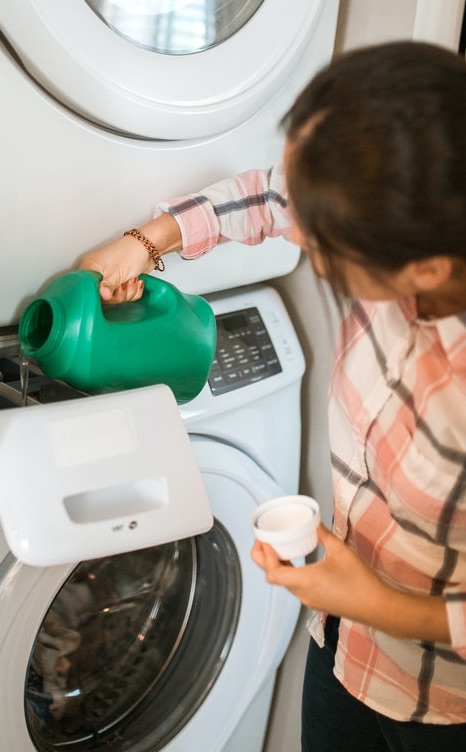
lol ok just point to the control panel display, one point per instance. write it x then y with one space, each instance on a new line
245 352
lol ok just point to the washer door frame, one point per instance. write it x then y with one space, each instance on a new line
137 92
266 623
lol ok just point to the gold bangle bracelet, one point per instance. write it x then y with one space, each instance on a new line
149 246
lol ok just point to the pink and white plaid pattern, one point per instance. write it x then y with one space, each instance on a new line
397 412
398 441
246 208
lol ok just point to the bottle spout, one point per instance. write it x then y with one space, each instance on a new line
40 326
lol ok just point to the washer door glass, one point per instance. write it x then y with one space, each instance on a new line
132 644
176 27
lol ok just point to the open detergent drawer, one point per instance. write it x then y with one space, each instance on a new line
98 476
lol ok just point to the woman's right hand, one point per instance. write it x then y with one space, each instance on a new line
120 263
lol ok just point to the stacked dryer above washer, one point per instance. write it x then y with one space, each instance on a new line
98 125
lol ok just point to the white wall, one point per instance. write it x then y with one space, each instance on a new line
361 22
370 21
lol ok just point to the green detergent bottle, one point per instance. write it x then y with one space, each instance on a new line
166 337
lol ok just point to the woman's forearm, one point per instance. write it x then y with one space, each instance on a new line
420 617
164 232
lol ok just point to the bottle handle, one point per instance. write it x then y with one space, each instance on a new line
159 293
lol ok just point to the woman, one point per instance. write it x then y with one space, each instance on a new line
375 165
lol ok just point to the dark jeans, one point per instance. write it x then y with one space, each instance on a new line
334 721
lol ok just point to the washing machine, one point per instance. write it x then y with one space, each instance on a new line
169 642
173 646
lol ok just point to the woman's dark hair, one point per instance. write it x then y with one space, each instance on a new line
377 165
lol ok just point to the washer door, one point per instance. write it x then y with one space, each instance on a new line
160 649
165 69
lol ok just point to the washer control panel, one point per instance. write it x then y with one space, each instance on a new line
244 353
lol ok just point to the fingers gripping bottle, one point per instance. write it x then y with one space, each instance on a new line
166 337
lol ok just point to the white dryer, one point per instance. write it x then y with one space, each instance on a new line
99 124
173 647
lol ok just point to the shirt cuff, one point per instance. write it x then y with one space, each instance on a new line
456 614
197 222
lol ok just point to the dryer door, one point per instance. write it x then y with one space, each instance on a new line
164 69
160 649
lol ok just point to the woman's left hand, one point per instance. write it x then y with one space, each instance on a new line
340 584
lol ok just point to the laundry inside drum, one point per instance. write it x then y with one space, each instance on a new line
120 655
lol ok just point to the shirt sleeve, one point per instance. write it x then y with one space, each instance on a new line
246 208
456 613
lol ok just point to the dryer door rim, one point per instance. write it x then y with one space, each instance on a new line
136 92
